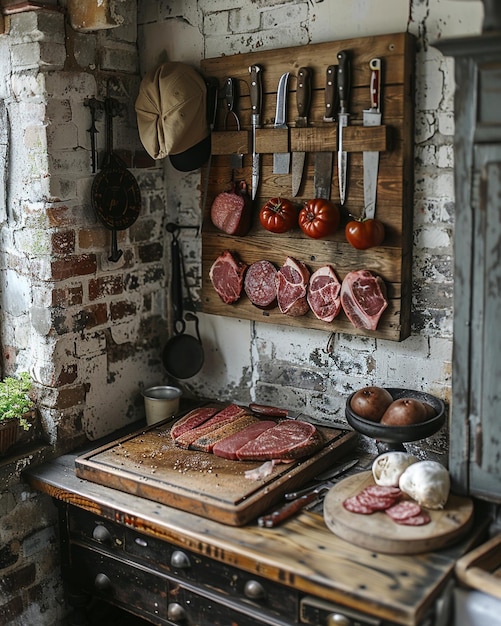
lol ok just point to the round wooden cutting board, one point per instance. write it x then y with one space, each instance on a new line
380 533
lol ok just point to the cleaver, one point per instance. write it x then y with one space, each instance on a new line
323 160
372 117
281 160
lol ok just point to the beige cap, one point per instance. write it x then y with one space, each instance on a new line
172 115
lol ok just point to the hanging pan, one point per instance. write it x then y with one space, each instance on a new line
183 354
115 194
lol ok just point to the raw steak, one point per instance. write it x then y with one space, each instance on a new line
227 276
288 440
260 284
231 211
324 294
292 282
192 420
206 442
227 415
227 448
363 297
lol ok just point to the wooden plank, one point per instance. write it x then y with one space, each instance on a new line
393 139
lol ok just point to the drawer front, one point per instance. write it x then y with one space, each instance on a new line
88 527
212 574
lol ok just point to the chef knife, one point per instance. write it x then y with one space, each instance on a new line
273 411
231 98
211 112
256 97
372 117
323 160
343 85
294 506
303 100
281 160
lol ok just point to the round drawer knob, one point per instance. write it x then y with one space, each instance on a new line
254 590
101 534
102 582
180 560
175 612
338 619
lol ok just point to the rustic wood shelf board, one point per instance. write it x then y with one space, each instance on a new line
393 139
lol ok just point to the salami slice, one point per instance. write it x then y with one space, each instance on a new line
403 510
260 284
376 503
416 520
382 490
354 505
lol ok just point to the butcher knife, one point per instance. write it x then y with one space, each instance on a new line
343 85
211 105
266 410
303 100
256 97
281 160
323 160
372 117
294 506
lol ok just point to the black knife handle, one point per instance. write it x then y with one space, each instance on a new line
230 93
303 91
286 511
375 84
330 93
212 98
256 90
343 80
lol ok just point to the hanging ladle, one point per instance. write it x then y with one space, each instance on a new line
183 355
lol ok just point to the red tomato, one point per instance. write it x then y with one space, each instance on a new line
319 218
278 215
363 234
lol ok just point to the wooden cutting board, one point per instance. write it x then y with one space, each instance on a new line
148 464
380 533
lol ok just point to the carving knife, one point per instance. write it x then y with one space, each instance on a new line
281 160
372 117
256 97
343 85
323 160
303 100
294 506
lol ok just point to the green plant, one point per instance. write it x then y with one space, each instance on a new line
14 399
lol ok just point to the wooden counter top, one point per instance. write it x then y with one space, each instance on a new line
302 553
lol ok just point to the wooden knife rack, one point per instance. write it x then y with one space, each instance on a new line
394 139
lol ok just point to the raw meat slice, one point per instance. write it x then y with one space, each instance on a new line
403 510
227 415
383 490
363 297
206 442
260 284
292 283
416 520
324 291
290 439
194 418
227 276
231 210
227 448
354 505
376 503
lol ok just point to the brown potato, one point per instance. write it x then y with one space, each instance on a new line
403 412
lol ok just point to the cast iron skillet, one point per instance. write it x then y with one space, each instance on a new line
115 194
183 355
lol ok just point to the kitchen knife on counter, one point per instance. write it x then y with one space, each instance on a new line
281 160
294 506
266 410
323 160
372 117
303 101
256 98
343 85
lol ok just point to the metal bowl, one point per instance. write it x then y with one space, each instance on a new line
399 434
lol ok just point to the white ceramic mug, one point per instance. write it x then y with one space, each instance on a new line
161 402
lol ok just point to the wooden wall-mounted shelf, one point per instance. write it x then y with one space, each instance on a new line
394 139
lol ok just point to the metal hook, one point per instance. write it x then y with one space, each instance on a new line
329 348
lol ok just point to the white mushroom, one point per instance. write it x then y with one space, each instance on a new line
388 467
427 482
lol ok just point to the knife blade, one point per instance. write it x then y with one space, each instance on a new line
303 101
281 160
323 160
212 98
255 72
343 85
273 411
372 117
